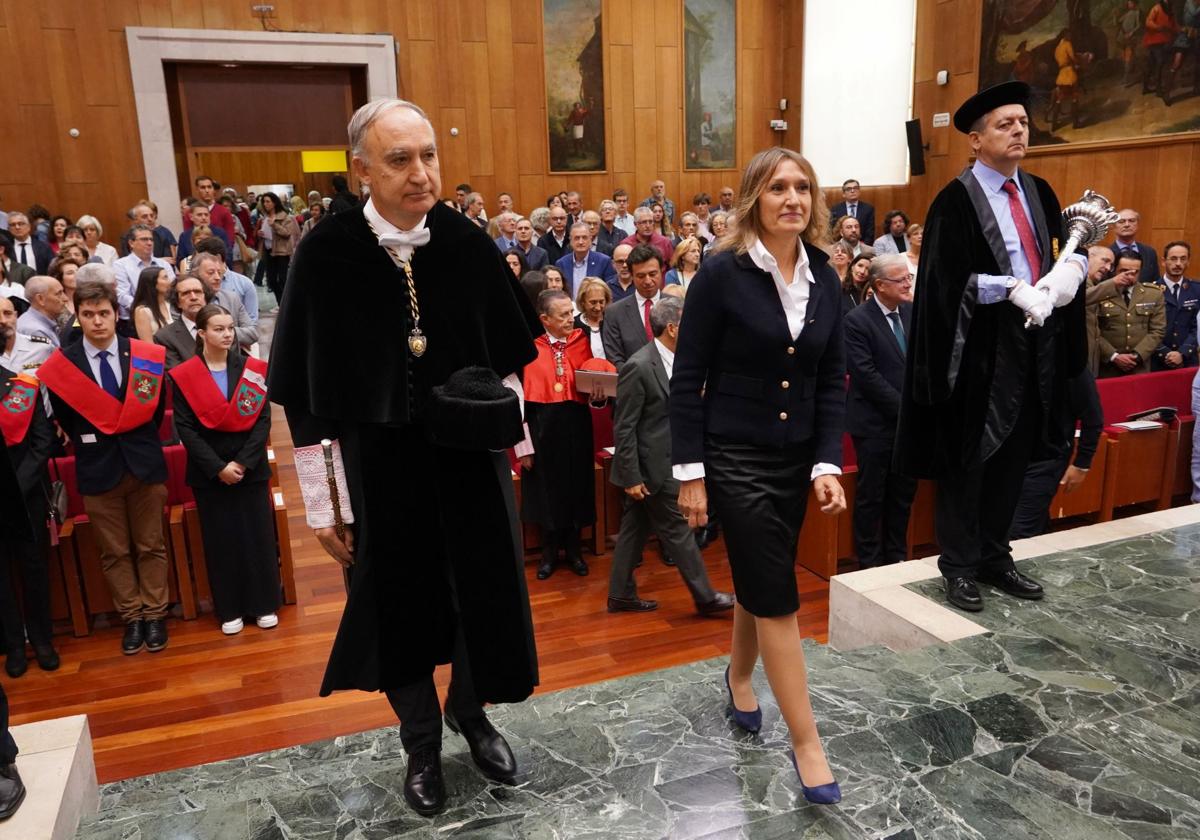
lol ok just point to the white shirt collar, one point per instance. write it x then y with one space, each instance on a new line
642 300
382 225
668 356
763 258
93 351
886 312
584 260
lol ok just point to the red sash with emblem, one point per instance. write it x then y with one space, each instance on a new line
213 410
98 407
16 409
550 378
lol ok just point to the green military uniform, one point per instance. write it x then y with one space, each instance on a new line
1134 327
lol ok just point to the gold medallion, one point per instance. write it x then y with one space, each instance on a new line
417 343
558 387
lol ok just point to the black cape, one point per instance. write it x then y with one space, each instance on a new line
437 545
560 490
968 365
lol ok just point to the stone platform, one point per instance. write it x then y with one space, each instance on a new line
1077 718
59 772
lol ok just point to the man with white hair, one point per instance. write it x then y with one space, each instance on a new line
47 301
27 248
400 445
507 222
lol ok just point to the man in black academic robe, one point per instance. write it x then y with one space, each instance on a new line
436 572
980 387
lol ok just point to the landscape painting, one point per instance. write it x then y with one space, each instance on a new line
709 83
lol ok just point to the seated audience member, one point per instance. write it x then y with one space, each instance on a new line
29 439
685 262
642 468
895 234
179 336
856 285
1181 297
608 235
535 257
876 344
624 285
516 261
1100 287
47 302
556 241
209 269
119 464
224 419
643 219
849 232
591 300
19 353
581 261
238 284
15 272
557 486
555 278
152 302
1056 468
127 269
64 269
1131 325
626 327
916 235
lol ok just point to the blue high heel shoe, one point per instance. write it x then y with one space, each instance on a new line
829 794
750 721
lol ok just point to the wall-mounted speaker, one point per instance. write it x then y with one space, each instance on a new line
916 148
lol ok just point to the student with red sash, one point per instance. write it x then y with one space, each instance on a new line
223 419
28 436
557 482
105 391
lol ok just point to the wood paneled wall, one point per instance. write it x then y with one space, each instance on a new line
1160 180
476 66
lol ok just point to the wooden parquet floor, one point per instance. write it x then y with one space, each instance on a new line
208 696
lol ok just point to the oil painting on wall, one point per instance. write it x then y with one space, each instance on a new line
574 57
709 82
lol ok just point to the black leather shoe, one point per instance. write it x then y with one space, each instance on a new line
488 748
630 605
47 657
12 790
15 664
723 602
1014 583
667 561
156 634
579 566
962 593
545 570
424 787
134 639
708 534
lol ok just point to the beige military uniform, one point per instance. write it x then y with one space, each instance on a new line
1097 293
1134 327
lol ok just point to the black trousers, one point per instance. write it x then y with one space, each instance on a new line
1032 516
8 747
882 502
420 713
277 269
974 507
30 558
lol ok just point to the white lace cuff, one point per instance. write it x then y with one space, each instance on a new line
314 485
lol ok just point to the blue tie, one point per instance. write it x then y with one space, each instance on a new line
108 379
898 329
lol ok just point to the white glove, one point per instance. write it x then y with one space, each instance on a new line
1062 283
1034 303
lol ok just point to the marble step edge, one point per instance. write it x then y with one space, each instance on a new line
58 769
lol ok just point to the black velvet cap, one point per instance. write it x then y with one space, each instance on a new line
474 410
989 99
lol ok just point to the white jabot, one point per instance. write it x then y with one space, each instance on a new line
398 242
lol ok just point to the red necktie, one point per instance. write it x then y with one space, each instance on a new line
646 311
1029 243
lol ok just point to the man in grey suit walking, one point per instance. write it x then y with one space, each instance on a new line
642 467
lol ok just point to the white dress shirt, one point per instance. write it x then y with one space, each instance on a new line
667 356
594 339
382 226
113 360
128 270
24 247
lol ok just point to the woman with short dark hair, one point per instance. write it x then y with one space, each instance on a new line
223 418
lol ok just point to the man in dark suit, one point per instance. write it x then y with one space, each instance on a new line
875 336
27 248
343 199
855 209
535 257
106 393
626 328
642 468
1182 297
554 241
16 273
583 262
1126 244
179 336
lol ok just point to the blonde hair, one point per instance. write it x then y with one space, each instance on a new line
749 225
586 285
683 247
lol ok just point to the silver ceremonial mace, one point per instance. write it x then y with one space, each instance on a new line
1087 222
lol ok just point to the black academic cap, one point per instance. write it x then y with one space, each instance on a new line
989 99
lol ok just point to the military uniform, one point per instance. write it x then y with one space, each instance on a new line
1096 294
1180 330
28 353
1134 327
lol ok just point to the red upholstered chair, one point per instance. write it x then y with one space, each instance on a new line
178 494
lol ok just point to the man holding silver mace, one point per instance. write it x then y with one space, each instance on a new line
981 389
400 446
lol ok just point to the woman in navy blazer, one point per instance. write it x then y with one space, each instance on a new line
757 402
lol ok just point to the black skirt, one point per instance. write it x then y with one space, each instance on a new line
237 524
760 493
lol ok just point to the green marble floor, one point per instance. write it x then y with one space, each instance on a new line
1074 718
